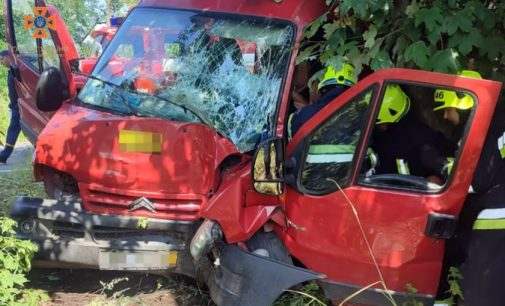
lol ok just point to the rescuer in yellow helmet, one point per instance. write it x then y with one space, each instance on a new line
334 81
403 144
455 104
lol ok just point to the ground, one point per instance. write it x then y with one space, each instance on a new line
91 287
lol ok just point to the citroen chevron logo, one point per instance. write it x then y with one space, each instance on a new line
142 203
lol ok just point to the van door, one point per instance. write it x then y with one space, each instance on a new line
383 230
38 39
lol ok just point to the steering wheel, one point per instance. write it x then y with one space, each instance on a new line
416 181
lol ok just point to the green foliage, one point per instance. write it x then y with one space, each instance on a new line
15 262
411 301
455 292
445 36
81 16
310 294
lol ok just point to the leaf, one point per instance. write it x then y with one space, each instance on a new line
311 30
329 29
381 61
431 18
444 61
491 47
369 36
460 20
307 54
359 7
334 61
337 38
412 9
434 36
418 53
474 38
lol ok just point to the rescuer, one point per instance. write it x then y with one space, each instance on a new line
484 268
14 125
333 83
404 145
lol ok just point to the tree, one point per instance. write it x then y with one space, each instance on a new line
435 35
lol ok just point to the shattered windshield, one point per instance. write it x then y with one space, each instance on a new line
220 70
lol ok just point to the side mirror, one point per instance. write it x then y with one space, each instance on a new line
52 90
268 172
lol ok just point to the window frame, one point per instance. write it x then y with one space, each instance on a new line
462 142
38 42
303 149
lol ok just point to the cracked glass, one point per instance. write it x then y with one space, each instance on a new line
221 70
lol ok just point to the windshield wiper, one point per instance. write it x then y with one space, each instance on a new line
124 101
195 112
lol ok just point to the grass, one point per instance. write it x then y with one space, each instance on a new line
18 182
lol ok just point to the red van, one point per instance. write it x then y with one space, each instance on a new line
183 120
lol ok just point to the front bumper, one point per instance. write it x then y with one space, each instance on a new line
68 236
238 277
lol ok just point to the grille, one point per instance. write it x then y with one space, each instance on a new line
113 201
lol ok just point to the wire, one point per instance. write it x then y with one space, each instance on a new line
387 293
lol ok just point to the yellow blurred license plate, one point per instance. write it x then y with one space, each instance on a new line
140 141
140 260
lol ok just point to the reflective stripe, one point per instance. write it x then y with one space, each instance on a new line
329 158
329 153
331 149
495 224
373 158
497 213
490 219
449 165
501 145
290 123
402 167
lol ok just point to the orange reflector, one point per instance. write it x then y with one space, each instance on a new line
139 142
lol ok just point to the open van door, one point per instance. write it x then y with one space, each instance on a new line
360 226
38 39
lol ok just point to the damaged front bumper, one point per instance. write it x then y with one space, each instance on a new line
238 277
68 236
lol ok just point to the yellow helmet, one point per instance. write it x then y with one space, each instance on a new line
346 75
450 98
395 105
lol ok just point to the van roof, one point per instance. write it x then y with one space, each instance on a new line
300 12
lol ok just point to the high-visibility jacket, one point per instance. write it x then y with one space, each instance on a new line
297 119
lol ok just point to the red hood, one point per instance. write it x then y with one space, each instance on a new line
85 144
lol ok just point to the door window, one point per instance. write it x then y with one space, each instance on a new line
50 54
416 136
26 44
91 46
332 147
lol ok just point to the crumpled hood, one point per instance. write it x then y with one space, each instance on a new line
132 153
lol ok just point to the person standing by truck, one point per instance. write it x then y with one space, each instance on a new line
14 125
482 233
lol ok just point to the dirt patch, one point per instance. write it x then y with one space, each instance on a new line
97 288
